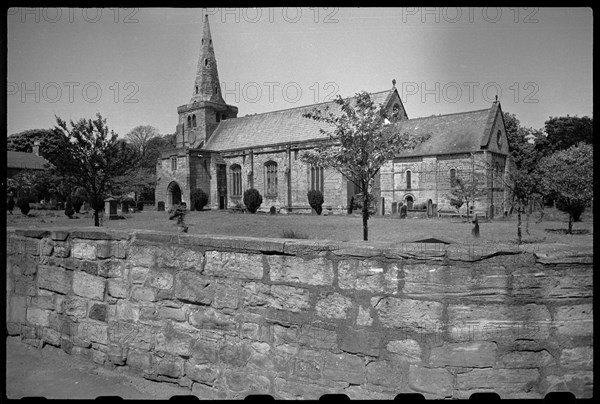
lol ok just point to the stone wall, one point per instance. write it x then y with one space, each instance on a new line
232 316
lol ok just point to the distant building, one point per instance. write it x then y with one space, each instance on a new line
225 155
21 161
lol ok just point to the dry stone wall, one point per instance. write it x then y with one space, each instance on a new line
231 316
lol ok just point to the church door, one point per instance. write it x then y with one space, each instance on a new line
174 193
429 208
409 202
222 185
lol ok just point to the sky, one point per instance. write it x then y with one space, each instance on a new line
136 66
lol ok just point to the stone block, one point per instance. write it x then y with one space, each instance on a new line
98 312
204 392
407 350
333 306
176 340
250 331
233 265
360 341
368 275
127 311
525 359
576 320
243 381
171 313
43 302
170 366
193 288
205 351
84 250
17 309
116 354
578 358
477 354
25 286
289 298
59 235
579 383
435 381
98 356
507 383
139 359
318 271
51 336
387 374
226 295
38 316
235 354
62 249
344 367
117 288
46 247
54 278
407 314
89 286
143 294
93 332
295 390
364 394
207 318
201 372
139 274
161 280
308 364
85 353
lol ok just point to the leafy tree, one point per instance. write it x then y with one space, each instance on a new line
362 139
154 147
456 204
567 175
564 132
23 204
315 200
52 143
138 180
199 199
94 158
468 188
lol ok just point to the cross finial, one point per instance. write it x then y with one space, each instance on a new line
394 82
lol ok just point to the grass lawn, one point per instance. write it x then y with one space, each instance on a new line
336 227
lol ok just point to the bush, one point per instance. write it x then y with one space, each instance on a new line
23 204
315 200
77 203
10 204
252 200
69 210
199 199
456 203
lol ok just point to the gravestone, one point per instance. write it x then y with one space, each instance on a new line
403 211
125 206
160 207
110 208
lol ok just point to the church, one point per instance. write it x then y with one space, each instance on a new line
225 155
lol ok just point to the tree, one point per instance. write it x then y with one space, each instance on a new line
52 143
94 158
154 147
467 190
362 139
564 132
140 136
567 175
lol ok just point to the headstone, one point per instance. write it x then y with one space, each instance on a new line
394 208
110 208
273 210
403 211
125 206
160 207
475 231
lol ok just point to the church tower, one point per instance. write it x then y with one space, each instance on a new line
199 118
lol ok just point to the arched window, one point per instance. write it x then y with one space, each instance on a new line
452 177
236 180
216 89
196 89
189 120
173 163
271 178
205 62
317 181
408 179
194 121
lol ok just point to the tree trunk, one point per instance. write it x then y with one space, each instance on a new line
365 214
468 212
96 218
519 226
527 222
570 231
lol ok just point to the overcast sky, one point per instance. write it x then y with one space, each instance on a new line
136 66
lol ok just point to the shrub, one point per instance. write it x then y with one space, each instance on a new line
10 204
23 204
77 203
199 199
315 200
252 200
69 210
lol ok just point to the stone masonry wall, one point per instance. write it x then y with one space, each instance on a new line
232 316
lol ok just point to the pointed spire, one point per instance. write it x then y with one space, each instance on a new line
207 86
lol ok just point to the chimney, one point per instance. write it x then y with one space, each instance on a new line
36 147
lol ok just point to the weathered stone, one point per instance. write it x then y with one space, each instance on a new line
557 284
495 322
117 288
574 320
578 358
200 372
89 286
226 296
139 359
344 367
167 256
250 331
84 250
53 278
364 317
387 374
98 312
143 294
98 356
51 336
205 392
85 353
126 311
116 354
408 350
59 235
360 341
479 354
176 340
242 381
209 318
507 383
438 382
171 367
308 364
17 309
86 266
235 265
25 286
580 384
204 351
364 394
193 288
38 316
292 390
172 313
412 315
235 354
288 269
115 268
525 359
62 250
289 298
93 332
46 247
333 306
139 274
161 280
368 275
33 233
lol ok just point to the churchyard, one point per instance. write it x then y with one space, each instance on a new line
389 229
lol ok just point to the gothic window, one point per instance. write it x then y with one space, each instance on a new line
173 163
205 62
189 121
194 121
196 89
452 177
408 179
236 180
271 178
216 90
316 179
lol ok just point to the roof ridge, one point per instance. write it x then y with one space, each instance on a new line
453 113
298 107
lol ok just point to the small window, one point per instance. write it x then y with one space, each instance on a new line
189 121
202 41
271 178
196 89
499 138
408 179
236 180
194 121
205 62
216 89
173 163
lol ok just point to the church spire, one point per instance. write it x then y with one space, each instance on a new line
207 86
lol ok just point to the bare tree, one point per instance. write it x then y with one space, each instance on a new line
139 137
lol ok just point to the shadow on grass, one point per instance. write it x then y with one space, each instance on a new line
564 231
294 234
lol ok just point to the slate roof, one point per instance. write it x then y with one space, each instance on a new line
24 160
275 127
452 133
